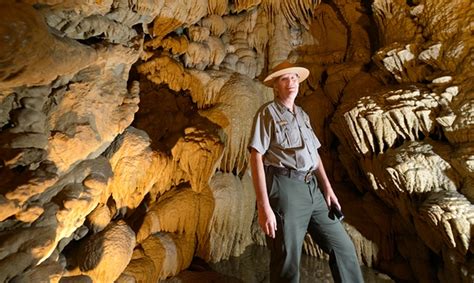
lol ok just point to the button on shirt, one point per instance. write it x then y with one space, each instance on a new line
285 139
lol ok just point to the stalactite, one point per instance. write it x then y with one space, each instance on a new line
198 34
422 168
215 24
65 146
198 154
279 46
217 7
96 26
456 116
175 14
167 70
260 35
234 119
175 45
66 205
245 5
211 52
381 120
131 150
87 8
394 21
296 12
451 215
241 22
443 20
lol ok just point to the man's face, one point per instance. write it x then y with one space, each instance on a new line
287 86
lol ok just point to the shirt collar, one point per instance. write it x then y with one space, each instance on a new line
282 108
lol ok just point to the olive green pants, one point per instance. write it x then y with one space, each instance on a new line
299 208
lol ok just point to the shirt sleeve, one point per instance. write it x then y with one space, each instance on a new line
260 138
316 142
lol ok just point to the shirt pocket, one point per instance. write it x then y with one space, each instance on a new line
311 134
286 137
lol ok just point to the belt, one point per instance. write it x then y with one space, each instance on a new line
303 176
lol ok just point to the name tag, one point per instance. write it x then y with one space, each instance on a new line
282 123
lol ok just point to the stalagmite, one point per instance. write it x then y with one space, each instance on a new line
233 219
104 255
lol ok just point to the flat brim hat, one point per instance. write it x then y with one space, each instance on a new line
283 68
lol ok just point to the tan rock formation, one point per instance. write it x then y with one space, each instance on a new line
28 49
104 256
66 205
131 150
233 213
160 256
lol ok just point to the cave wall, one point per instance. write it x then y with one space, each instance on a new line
124 127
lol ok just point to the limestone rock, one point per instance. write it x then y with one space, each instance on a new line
167 70
131 151
378 121
66 205
176 212
198 155
160 256
105 255
117 105
23 62
451 215
232 217
394 21
99 218
48 271
175 14
233 113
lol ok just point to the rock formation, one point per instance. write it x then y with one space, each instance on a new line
124 131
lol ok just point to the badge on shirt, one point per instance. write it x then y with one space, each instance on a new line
282 122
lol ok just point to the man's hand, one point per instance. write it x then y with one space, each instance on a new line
266 217
267 221
329 195
331 199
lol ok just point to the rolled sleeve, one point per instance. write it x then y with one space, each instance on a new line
317 144
260 139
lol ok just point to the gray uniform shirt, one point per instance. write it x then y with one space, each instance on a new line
285 139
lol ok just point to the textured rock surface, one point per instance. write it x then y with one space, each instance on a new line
125 123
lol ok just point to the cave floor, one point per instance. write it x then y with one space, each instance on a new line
252 267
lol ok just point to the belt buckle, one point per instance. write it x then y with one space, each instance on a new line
308 176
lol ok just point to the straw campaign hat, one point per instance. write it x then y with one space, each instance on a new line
285 67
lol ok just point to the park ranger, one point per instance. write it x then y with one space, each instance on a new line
285 161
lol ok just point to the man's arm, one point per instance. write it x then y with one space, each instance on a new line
266 217
329 195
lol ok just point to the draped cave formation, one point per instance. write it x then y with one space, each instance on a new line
125 123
